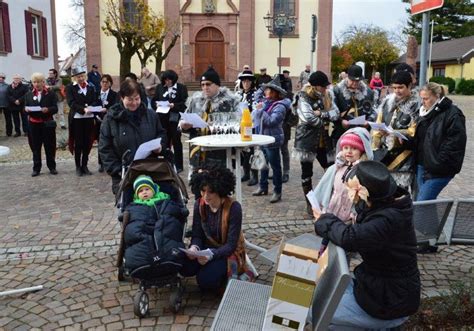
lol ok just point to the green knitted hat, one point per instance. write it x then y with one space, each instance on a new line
142 181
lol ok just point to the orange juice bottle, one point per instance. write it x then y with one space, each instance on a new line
246 125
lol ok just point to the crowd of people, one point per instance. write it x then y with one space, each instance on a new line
378 155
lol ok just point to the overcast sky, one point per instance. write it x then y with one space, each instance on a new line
387 14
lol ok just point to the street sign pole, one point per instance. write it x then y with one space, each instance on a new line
424 48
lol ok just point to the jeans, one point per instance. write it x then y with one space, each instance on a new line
350 316
210 276
285 156
272 155
430 188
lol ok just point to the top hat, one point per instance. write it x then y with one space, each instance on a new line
376 178
246 74
275 84
355 72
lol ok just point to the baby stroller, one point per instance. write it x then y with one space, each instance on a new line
154 275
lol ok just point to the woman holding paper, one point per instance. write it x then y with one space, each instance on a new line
41 105
126 126
386 288
217 250
80 96
176 95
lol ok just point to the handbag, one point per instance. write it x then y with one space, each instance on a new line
258 160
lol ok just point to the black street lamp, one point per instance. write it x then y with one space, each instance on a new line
280 24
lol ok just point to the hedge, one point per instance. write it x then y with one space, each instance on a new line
466 87
451 83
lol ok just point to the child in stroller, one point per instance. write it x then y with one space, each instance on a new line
152 236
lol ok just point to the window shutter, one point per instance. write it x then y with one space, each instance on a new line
29 33
6 27
44 34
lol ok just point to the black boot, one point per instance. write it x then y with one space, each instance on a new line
253 178
85 160
79 171
307 185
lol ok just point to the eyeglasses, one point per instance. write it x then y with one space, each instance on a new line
206 84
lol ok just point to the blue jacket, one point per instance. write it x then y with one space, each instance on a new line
271 120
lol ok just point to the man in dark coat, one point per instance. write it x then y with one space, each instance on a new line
386 288
264 78
93 77
16 92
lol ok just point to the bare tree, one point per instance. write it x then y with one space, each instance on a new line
75 29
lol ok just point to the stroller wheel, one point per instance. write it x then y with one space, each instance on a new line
175 300
141 304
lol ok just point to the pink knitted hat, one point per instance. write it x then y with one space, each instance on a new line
351 139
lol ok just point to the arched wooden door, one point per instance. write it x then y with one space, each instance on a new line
210 50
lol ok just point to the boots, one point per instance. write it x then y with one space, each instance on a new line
253 178
307 186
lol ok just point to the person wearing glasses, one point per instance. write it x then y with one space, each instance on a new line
211 100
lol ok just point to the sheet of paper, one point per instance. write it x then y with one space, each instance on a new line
204 253
33 108
79 116
193 119
396 133
162 107
313 200
95 109
145 149
358 120
378 126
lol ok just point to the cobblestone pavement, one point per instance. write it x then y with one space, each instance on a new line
61 232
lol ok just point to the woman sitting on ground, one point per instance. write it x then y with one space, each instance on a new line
217 226
386 288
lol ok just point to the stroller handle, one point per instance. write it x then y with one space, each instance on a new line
125 157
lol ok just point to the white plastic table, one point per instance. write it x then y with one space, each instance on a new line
227 142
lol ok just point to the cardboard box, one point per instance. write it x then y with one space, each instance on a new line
292 290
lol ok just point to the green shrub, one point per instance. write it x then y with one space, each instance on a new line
451 83
66 80
466 87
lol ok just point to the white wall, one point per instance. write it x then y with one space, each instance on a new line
18 62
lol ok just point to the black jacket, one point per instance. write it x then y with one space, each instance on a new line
178 99
112 99
17 93
118 133
387 282
78 101
440 140
48 100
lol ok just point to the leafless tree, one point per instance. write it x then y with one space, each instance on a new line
75 28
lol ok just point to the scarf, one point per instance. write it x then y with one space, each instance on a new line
83 85
44 91
151 202
424 112
239 253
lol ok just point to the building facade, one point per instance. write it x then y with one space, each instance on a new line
225 33
27 37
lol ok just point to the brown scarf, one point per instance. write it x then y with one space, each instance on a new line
224 220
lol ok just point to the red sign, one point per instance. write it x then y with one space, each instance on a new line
420 6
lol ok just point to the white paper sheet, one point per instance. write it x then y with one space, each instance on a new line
79 116
162 107
396 133
358 120
145 149
95 109
33 108
313 200
388 129
193 119
204 253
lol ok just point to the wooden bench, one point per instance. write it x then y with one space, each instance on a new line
244 304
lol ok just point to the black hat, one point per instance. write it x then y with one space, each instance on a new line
275 84
355 72
286 71
376 178
212 76
263 69
404 67
319 78
246 74
402 78
77 71
95 66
